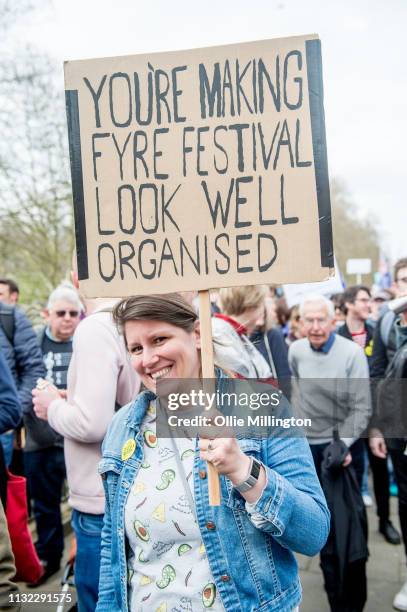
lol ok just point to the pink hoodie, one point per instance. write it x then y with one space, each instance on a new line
99 377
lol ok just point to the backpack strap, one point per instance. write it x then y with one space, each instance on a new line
386 325
269 355
7 322
41 335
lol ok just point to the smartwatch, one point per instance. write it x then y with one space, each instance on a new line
252 477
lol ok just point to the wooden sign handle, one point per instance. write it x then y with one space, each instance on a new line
208 374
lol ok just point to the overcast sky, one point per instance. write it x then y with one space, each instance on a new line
364 50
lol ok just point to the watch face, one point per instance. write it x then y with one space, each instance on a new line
252 479
255 469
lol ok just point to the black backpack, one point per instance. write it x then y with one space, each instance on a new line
7 322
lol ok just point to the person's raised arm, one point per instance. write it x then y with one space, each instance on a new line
93 377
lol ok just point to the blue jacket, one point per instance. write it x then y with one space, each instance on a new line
24 357
10 409
253 567
279 354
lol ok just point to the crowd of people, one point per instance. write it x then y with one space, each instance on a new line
146 536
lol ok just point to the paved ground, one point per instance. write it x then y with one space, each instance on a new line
386 573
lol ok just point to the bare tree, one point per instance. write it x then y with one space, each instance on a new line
36 237
355 236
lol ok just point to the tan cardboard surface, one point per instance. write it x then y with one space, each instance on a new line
154 165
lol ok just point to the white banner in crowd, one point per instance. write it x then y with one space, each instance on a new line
294 293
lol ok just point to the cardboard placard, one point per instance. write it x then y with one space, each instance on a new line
200 169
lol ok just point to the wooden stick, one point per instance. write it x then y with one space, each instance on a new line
208 375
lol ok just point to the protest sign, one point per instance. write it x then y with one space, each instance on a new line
200 169
358 266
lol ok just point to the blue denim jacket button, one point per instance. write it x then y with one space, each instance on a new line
210 525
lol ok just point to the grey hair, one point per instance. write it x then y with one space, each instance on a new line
68 294
317 298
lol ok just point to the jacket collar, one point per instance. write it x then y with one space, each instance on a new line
139 408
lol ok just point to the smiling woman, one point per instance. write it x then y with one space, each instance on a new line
160 348
163 546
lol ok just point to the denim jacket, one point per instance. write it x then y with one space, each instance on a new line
249 547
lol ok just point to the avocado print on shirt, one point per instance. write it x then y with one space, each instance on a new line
141 531
150 438
208 595
168 565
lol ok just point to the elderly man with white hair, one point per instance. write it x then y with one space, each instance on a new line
339 386
331 387
44 451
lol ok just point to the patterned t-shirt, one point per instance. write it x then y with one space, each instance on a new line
168 570
56 356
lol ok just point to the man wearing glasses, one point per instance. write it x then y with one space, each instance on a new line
333 376
331 387
356 301
44 451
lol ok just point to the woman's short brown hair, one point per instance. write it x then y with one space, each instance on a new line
170 307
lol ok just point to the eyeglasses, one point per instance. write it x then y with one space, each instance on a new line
72 313
308 322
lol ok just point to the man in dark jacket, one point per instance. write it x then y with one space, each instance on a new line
10 415
20 348
387 340
10 409
356 301
44 461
